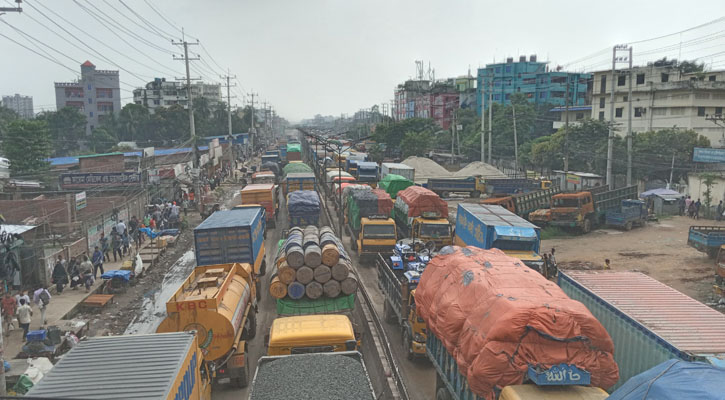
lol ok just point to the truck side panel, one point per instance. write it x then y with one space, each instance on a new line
471 230
452 185
224 245
447 370
391 288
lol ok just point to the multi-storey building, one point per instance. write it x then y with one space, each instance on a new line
406 96
662 97
22 105
163 93
96 94
423 99
533 79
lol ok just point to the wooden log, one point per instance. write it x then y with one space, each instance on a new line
330 255
341 270
295 257
313 256
322 273
331 288
313 290
349 284
305 275
286 273
295 290
277 289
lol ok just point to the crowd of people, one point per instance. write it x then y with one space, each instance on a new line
19 309
692 208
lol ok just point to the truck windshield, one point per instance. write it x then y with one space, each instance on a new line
566 202
379 232
435 230
519 245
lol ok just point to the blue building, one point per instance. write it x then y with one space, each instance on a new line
534 80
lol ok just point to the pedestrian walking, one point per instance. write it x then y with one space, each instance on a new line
697 209
116 245
87 273
125 243
681 203
718 216
22 295
41 298
105 247
97 262
9 306
59 276
74 274
25 315
120 227
688 204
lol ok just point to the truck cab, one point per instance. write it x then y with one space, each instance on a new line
414 331
311 334
435 229
377 235
572 210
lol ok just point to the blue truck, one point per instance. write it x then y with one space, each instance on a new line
282 152
502 186
488 226
706 239
631 213
367 172
232 236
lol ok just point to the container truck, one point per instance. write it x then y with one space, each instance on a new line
219 303
299 181
499 186
340 375
706 239
367 172
232 236
157 366
523 204
393 184
649 321
631 213
371 229
473 186
294 152
398 288
303 208
282 152
403 170
265 195
421 214
270 158
489 226
587 209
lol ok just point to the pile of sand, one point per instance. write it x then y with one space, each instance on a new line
426 168
480 168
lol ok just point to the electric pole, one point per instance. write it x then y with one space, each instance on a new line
566 135
516 145
490 119
229 100
453 138
483 124
629 122
3 10
190 102
252 131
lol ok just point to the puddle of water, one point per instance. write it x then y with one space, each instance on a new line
153 309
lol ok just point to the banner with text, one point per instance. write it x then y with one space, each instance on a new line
99 179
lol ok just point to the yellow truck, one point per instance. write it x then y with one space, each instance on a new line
316 333
219 303
264 194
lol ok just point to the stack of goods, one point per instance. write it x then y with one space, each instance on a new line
312 263
498 317
393 184
296 168
303 207
416 201
367 204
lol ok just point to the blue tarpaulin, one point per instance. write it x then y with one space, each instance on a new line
117 273
674 380
150 233
303 202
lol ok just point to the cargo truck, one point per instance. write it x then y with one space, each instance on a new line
473 186
294 152
489 226
403 170
219 303
367 172
649 321
706 239
398 287
265 195
499 186
421 214
315 333
587 209
630 214
299 181
157 366
232 236
312 376
282 152
371 229
523 204
270 158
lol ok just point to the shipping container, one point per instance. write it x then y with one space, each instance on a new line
403 170
648 321
232 236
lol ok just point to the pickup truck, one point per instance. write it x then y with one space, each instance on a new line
631 213
706 239
473 186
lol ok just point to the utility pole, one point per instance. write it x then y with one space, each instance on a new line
229 100
490 118
483 124
252 130
453 138
672 171
516 144
629 122
566 136
3 10
190 102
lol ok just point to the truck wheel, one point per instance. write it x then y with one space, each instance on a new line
242 381
408 346
263 268
712 253
445 194
587 227
252 328
628 226
258 289
442 394
475 194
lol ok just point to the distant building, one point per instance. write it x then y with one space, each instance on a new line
662 97
423 99
96 94
576 115
23 105
163 93
533 79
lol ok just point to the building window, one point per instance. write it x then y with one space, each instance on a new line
498 70
601 115
91 114
497 97
677 111
90 101
601 101
618 112
625 98
89 86
718 110
638 111
579 116
508 68
640 79
507 96
497 82
157 102
542 95
665 77
621 80
603 85
93 127
712 78
659 111
700 111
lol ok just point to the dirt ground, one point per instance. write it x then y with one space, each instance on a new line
659 250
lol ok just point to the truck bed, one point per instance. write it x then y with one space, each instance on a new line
707 239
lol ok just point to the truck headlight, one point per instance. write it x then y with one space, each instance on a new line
418 338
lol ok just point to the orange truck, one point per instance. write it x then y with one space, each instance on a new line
264 194
219 303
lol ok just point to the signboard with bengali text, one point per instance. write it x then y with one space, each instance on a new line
80 201
708 155
85 180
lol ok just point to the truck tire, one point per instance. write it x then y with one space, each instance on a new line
628 226
258 289
263 268
475 194
353 243
408 346
243 380
252 329
587 226
445 194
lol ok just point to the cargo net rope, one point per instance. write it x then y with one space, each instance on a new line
497 317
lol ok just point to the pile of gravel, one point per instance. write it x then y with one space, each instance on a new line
311 376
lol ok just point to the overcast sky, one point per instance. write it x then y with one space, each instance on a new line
310 57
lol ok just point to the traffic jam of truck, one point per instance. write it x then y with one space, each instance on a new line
339 277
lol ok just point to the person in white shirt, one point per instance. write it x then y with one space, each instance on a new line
41 298
25 314
120 227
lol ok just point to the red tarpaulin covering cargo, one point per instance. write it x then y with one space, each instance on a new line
496 317
420 200
385 203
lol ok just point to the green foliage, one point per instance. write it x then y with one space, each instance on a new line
376 153
6 116
133 122
392 135
708 179
27 146
416 143
67 128
102 140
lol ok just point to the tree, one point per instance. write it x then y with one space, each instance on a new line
708 179
6 116
416 143
67 128
376 153
133 123
102 140
28 146
170 125
392 135
653 151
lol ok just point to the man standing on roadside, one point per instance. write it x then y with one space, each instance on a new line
97 262
9 306
105 247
